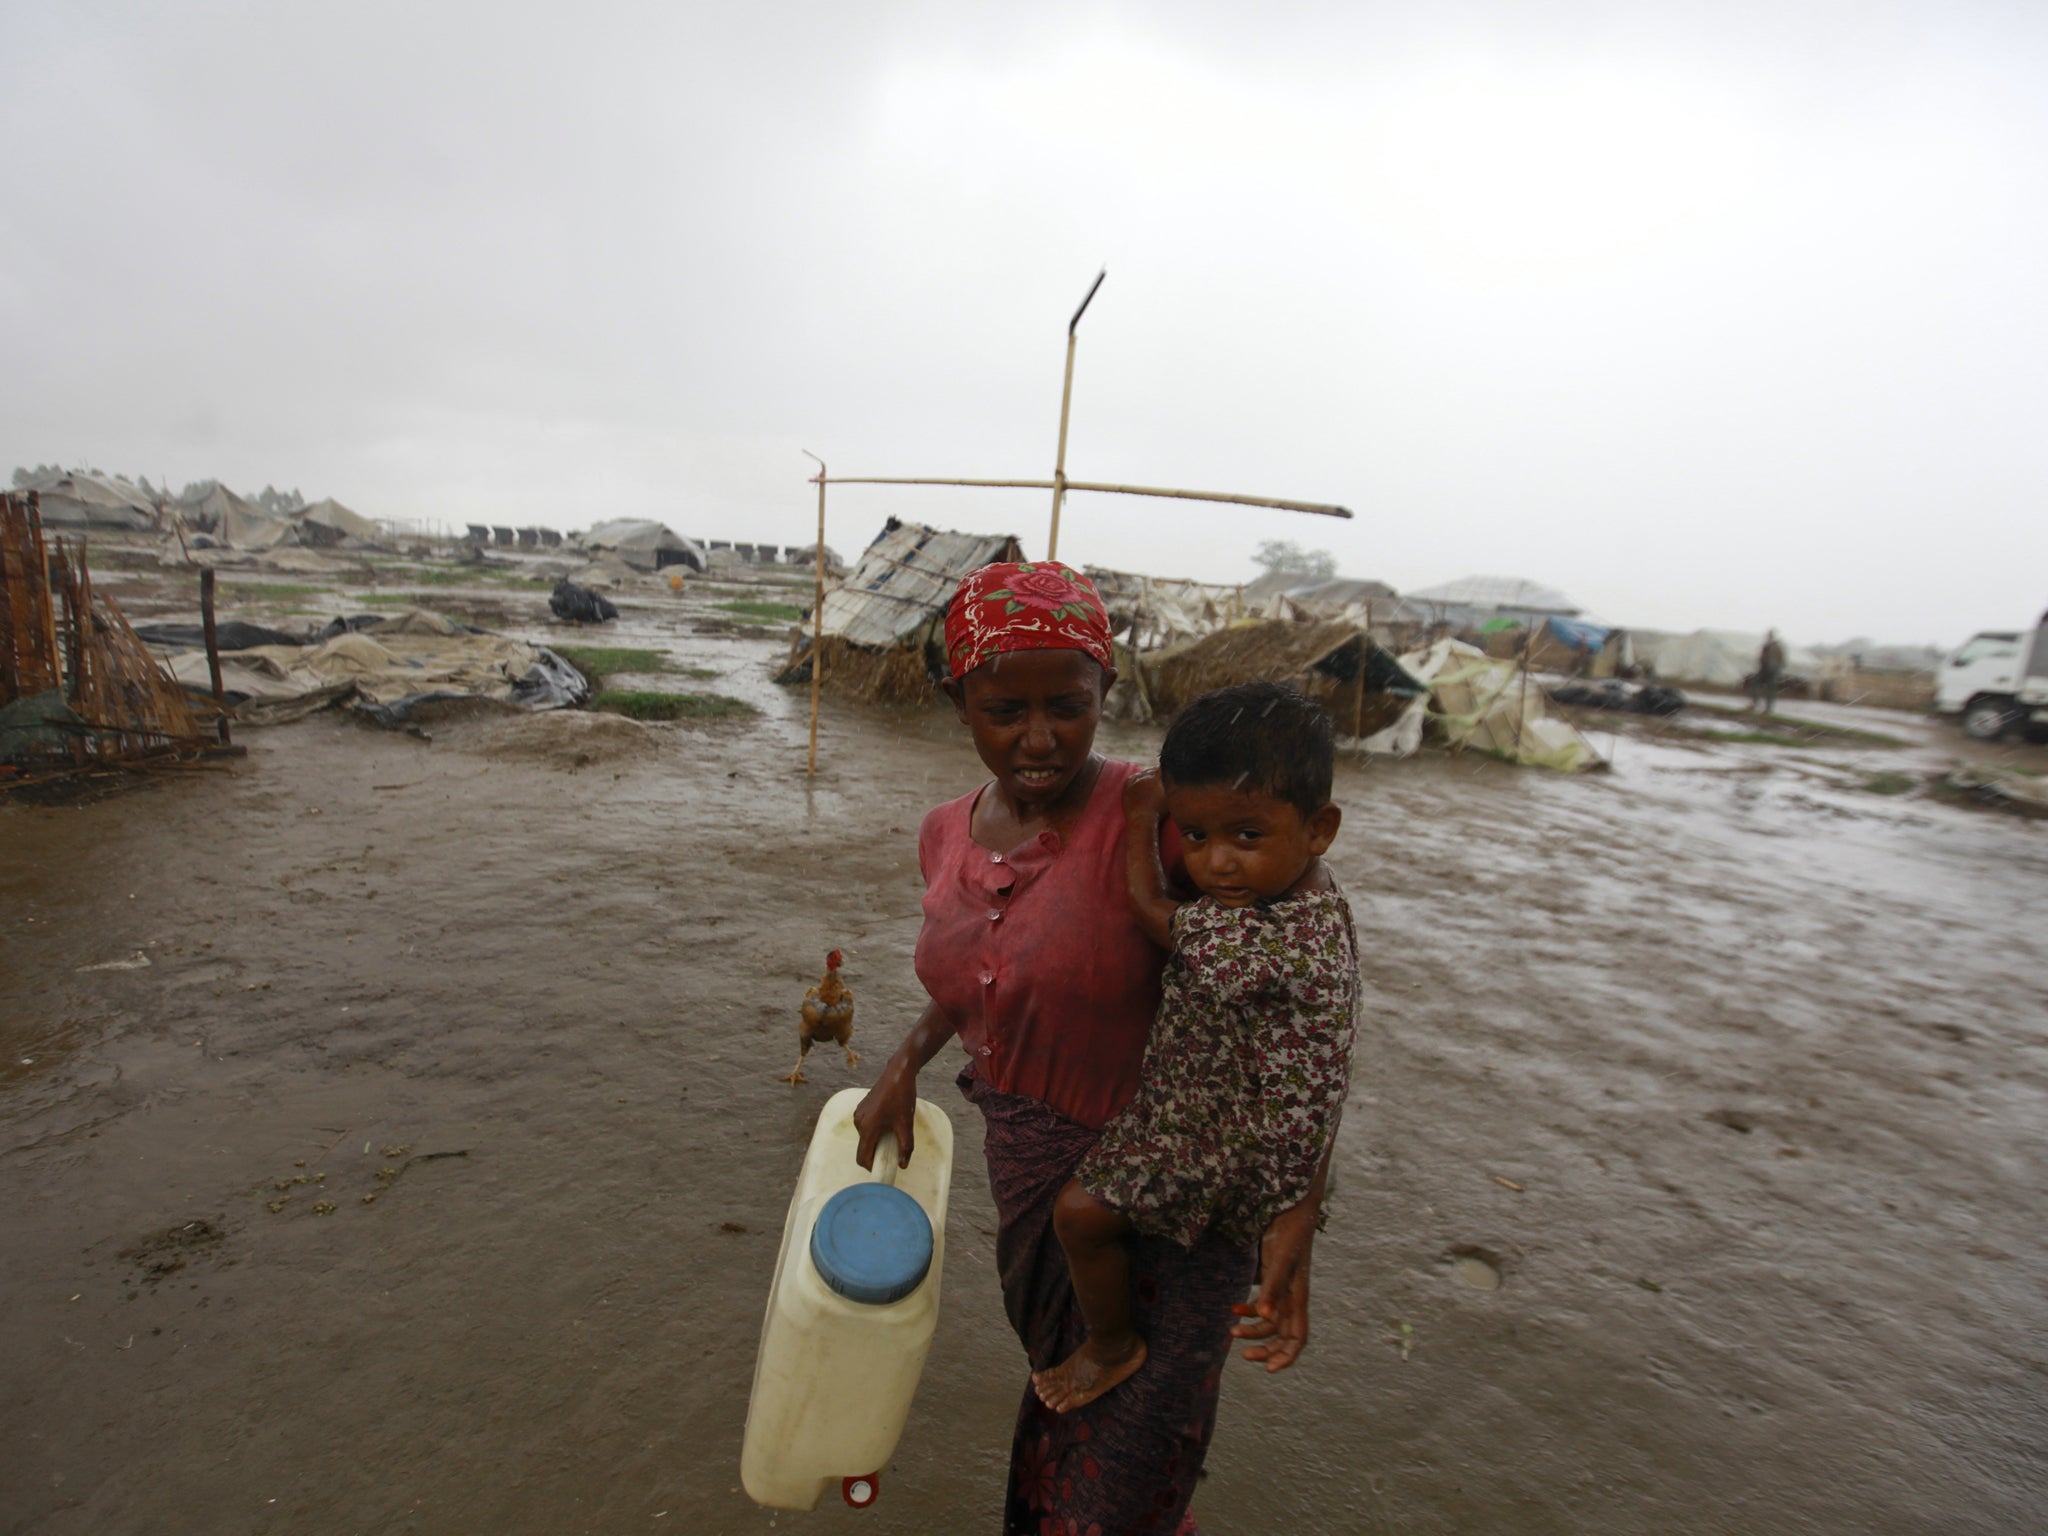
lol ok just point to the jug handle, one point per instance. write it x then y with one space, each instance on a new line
886 1158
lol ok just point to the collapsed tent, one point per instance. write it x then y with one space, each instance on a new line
1358 601
1478 701
1356 679
384 668
807 554
234 520
1146 612
884 624
647 545
327 522
81 499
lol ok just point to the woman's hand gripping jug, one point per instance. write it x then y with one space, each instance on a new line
850 1313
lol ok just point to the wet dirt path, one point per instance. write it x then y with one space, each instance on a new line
1691 1182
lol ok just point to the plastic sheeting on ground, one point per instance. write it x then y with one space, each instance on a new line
228 635
385 670
580 605
1478 702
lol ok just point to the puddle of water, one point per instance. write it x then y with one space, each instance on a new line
1476 1273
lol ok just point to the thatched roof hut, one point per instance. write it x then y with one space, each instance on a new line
1351 674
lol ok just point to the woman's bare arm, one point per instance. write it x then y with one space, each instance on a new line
891 1105
1144 875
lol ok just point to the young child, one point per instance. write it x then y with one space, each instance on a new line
1247 1064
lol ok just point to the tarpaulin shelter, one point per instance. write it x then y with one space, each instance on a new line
1577 646
1480 702
646 545
883 625
80 499
1714 658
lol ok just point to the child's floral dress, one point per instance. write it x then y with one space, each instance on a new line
1244 1073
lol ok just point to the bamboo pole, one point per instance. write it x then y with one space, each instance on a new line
42 568
212 649
1059 468
1364 650
1322 509
817 614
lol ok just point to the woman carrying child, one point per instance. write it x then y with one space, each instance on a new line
1036 963
1245 1073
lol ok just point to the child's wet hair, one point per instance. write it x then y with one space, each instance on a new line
1264 737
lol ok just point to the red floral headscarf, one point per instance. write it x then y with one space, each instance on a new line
1024 605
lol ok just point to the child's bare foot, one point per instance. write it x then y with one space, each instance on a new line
1087 1373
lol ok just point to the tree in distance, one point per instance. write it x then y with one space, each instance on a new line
1284 557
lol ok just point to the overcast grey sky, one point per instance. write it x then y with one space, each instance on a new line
1715 314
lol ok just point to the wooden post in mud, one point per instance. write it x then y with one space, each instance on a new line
1059 466
817 615
220 701
1358 722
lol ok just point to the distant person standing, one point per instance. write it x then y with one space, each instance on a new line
1770 666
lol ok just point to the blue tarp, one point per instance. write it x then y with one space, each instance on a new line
1575 633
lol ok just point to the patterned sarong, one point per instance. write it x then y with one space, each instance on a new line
1127 1462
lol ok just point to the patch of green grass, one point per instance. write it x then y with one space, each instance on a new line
456 576
273 591
639 704
607 660
1890 783
786 612
1790 730
386 600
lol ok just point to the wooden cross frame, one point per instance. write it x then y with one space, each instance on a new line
1059 485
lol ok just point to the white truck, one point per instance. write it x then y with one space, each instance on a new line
1997 681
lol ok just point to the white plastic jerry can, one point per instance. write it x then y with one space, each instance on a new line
850 1312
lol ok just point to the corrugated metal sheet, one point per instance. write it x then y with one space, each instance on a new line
905 578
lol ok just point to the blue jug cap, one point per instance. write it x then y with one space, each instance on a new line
872 1243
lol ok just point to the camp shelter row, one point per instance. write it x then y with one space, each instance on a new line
882 623
79 501
882 641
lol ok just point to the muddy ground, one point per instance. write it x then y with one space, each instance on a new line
1691 1183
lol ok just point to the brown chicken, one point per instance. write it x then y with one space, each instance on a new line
827 1015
